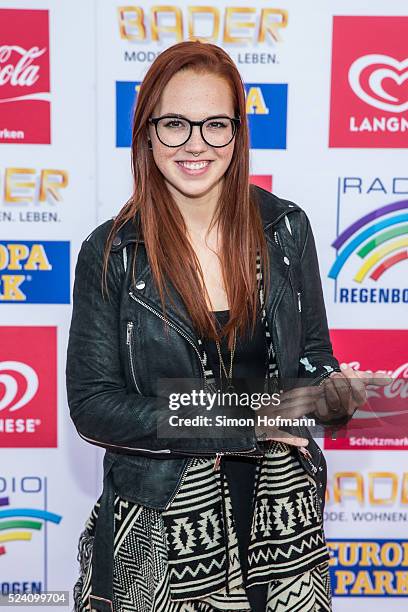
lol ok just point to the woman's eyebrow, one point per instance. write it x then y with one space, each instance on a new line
173 115
184 117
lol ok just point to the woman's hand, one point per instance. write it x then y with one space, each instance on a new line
345 391
339 395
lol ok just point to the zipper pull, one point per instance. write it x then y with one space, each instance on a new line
305 451
217 462
129 331
299 302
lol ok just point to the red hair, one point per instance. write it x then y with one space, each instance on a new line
169 252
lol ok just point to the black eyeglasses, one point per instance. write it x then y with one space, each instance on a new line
175 130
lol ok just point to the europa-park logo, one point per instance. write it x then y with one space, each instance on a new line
368 567
36 272
369 82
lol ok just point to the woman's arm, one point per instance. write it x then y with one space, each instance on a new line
317 360
105 412
344 391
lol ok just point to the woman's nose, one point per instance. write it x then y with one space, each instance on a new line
195 143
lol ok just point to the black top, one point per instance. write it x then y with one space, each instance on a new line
249 359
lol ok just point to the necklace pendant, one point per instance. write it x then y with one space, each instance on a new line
230 387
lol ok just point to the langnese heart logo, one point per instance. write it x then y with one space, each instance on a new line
372 81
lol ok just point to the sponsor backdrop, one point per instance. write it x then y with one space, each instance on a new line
327 104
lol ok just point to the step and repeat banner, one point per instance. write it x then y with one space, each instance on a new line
327 105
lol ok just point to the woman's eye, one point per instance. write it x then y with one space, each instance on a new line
216 125
173 124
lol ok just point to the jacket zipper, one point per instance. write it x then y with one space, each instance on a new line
129 334
180 482
307 455
202 453
180 331
298 293
243 453
105 445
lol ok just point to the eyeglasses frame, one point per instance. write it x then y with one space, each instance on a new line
236 121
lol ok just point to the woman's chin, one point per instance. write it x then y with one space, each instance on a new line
194 189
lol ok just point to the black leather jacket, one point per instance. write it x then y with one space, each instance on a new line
117 352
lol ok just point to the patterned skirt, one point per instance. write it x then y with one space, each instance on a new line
186 558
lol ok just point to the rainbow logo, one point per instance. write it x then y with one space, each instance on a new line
13 528
381 245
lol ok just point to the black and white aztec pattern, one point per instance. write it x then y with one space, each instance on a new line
175 560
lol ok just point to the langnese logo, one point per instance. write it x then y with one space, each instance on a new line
266 108
371 248
34 272
368 568
369 83
382 422
24 77
28 387
29 531
32 196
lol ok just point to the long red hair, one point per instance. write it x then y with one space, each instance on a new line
169 251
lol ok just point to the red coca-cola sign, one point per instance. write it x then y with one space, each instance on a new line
382 422
24 77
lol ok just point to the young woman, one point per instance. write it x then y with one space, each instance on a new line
202 276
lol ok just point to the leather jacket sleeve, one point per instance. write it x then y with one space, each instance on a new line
317 361
104 410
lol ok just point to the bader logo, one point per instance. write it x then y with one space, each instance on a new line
28 387
259 25
24 77
35 272
266 107
369 87
39 191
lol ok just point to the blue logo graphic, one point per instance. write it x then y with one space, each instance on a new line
368 568
34 272
267 115
266 111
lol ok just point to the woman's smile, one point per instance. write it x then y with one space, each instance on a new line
194 167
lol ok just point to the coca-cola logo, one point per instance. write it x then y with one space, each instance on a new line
25 97
367 77
17 66
14 374
394 393
398 387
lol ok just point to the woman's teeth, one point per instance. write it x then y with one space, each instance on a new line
194 165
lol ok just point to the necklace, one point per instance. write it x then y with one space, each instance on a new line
228 376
